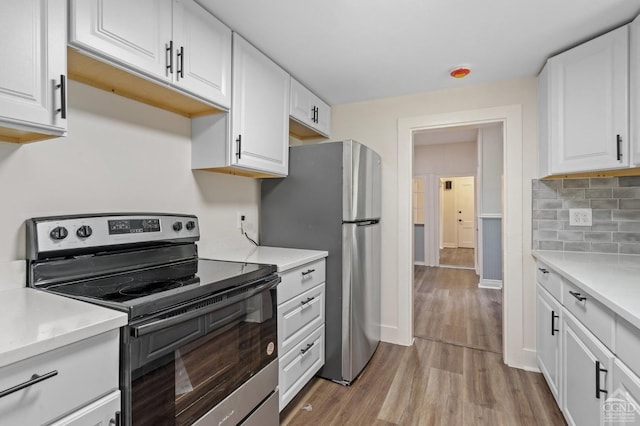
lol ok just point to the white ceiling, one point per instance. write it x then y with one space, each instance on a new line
355 50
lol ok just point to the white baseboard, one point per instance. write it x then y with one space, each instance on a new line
419 263
390 334
449 246
491 284
529 360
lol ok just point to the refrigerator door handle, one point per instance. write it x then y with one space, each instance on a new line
363 222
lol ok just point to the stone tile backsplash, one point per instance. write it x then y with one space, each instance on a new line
615 204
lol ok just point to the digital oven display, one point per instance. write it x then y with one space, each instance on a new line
133 226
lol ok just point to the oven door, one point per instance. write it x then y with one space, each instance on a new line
179 367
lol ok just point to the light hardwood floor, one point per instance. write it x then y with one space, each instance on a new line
463 257
434 382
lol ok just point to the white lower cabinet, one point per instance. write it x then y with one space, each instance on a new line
301 318
588 355
548 312
103 412
586 379
75 380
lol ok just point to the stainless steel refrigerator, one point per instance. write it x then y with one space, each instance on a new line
331 200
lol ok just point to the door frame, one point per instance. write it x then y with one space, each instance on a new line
512 237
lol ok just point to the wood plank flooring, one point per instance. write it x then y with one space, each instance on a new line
449 307
434 382
464 257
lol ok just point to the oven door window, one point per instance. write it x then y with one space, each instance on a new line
181 372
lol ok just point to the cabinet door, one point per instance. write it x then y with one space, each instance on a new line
588 105
260 111
634 81
548 312
202 53
624 406
102 412
113 29
34 60
308 109
586 369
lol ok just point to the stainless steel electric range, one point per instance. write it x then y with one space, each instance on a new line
201 343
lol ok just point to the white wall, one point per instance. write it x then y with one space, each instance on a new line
442 159
375 123
491 159
120 155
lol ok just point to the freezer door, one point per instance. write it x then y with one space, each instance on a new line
361 182
361 296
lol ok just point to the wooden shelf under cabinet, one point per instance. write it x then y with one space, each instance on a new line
89 70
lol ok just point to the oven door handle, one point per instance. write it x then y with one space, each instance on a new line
150 327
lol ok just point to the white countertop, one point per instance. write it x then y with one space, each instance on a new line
34 322
283 258
613 279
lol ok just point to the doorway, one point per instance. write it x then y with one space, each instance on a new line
515 354
457 213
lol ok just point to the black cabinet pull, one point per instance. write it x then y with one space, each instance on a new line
34 379
169 51
619 147
63 96
117 421
577 295
305 350
180 56
309 299
239 143
553 323
308 271
598 371
544 271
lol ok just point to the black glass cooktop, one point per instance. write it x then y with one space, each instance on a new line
151 290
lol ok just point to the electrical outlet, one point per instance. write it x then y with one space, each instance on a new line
580 217
241 218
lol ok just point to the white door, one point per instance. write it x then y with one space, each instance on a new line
465 211
588 105
584 362
202 53
114 29
260 111
548 339
33 62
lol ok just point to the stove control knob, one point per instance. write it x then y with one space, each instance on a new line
58 233
190 225
177 226
84 231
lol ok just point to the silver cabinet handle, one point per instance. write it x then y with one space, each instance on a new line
34 379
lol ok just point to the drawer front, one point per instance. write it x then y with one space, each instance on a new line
86 371
299 365
299 316
550 280
301 279
628 344
594 315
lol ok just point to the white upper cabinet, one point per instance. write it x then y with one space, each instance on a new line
310 111
203 53
260 111
180 44
33 71
584 123
634 81
253 139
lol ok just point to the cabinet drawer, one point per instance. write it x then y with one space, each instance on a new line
300 364
628 344
86 371
299 316
594 315
550 280
298 280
